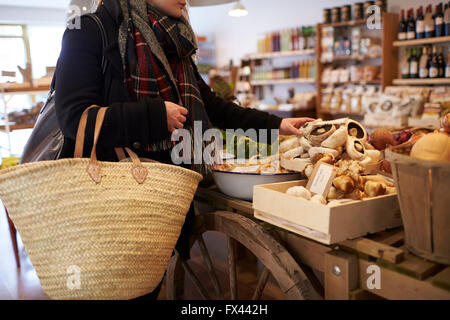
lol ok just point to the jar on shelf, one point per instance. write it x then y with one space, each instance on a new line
367 4
358 11
336 15
346 13
326 16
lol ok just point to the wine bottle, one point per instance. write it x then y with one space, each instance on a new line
420 24
402 27
441 63
434 67
447 66
447 20
429 23
411 26
423 64
405 64
439 22
413 65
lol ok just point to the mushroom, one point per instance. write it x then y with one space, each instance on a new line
305 143
293 153
337 139
315 150
321 133
308 170
319 199
289 144
355 148
300 192
356 130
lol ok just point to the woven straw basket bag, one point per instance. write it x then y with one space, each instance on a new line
98 230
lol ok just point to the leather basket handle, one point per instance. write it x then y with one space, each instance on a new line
138 171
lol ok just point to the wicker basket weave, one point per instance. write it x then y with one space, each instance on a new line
118 234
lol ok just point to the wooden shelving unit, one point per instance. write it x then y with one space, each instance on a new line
281 81
418 42
352 58
261 88
389 56
15 127
374 82
424 82
6 93
282 54
351 23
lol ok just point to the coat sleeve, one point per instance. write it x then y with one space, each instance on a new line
79 84
227 115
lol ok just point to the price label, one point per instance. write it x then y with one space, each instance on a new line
321 179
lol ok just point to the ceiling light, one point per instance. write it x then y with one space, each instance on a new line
238 10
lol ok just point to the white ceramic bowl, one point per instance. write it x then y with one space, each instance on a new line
240 185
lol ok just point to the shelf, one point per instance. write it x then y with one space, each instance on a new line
439 81
352 58
417 42
345 24
33 90
334 113
269 55
281 81
374 82
14 127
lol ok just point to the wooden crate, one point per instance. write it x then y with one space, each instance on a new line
322 223
423 191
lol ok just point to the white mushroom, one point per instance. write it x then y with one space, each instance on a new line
355 148
315 150
337 139
319 199
300 192
289 144
293 153
305 143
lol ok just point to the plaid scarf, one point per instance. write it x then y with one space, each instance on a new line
157 57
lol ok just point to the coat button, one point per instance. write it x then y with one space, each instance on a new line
136 145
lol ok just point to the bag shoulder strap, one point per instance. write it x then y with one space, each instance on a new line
105 43
104 34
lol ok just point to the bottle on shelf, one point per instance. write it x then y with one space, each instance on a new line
434 66
405 64
447 19
423 64
441 63
410 26
429 23
413 65
447 66
439 21
402 27
420 24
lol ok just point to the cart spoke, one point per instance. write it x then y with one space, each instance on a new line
195 280
232 267
262 281
209 265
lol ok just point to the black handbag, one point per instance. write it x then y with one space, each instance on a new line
46 140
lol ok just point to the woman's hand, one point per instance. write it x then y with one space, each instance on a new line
176 116
291 126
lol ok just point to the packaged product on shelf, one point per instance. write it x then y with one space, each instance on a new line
356 104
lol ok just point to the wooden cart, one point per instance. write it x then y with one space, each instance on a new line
376 266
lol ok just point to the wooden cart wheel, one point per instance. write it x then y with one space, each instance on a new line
274 257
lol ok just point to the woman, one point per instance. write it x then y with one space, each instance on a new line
150 84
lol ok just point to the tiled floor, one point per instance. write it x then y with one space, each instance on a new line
23 283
